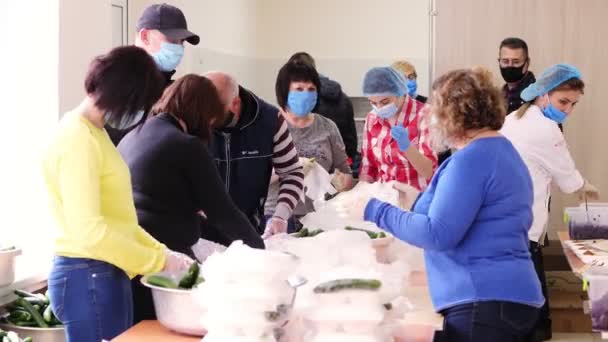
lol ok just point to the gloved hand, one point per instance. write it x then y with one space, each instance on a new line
275 225
401 136
176 262
355 209
407 195
341 181
307 164
588 191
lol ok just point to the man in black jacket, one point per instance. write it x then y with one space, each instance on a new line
514 62
161 31
335 105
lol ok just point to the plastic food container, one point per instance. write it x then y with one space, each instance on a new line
597 278
587 222
7 265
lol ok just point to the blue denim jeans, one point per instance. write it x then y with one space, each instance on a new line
488 321
92 298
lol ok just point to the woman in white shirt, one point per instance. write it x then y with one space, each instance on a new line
533 130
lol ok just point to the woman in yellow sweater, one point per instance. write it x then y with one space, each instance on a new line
100 245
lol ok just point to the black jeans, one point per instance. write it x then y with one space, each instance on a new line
544 319
487 322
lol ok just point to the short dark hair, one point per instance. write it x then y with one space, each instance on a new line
123 82
294 72
514 43
303 57
195 100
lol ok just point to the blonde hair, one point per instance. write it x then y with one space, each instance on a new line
405 67
465 100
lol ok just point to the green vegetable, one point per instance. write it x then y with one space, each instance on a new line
161 281
348 284
20 315
48 315
28 339
26 324
189 279
315 232
272 316
25 294
381 235
2 333
302 233
35 314
372 235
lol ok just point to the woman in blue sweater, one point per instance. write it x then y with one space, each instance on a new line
473 219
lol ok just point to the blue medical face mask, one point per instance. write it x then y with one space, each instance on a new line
169 56
412 86
386 112
301 103
552 113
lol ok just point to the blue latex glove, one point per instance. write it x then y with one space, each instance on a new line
401 136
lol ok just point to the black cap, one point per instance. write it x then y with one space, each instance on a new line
169 20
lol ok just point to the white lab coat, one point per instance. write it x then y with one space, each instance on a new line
543 148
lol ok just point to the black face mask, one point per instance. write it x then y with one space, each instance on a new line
513 74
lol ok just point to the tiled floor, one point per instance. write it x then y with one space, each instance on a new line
563 337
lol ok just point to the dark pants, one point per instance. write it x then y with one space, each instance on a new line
544 320
487 322
92 299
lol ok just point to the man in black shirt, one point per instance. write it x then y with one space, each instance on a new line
161 31
514 62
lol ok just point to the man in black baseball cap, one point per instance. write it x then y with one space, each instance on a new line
161 31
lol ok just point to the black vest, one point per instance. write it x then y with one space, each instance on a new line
243 155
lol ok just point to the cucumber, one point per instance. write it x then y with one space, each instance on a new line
20 315
25 324
13 337
199 281
372 235
381 235
48 315
302 233
348 284
161 281
24 294
315 232
189 279
35 314
28 339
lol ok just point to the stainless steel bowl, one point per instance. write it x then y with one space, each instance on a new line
176 309
37 334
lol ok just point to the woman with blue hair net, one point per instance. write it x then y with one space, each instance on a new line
395 145
534 132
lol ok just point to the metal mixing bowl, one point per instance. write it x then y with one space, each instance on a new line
176 309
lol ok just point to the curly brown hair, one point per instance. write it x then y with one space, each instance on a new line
466 100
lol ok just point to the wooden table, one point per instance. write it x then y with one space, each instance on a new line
577 265
421 324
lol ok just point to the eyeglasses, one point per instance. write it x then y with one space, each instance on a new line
513 62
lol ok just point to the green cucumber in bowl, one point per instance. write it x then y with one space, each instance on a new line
348 284
160 281
189 279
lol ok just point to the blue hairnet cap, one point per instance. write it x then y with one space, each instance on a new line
384 81
549 80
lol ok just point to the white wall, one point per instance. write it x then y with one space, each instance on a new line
85 29
346 37
29 97
253 38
